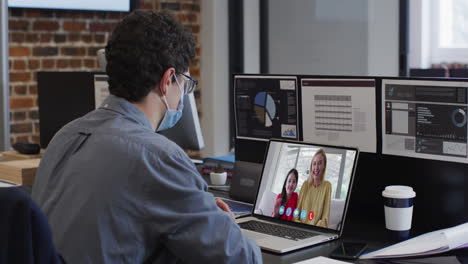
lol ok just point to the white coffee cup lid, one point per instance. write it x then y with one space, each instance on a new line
398 191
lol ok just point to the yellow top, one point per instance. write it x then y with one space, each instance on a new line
316 200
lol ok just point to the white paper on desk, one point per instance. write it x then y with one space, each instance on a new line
457 236
321 260
340 112
434 242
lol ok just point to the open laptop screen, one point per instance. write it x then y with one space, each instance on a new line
306 183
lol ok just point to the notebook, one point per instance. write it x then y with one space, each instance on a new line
302 197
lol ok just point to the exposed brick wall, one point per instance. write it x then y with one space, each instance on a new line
66 40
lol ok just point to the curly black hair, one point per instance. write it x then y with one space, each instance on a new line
142 47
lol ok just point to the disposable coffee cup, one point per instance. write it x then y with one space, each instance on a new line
398 206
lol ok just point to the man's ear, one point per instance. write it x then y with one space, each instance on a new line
166 80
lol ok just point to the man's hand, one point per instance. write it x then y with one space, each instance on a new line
225 208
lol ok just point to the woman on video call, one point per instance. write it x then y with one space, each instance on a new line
315 194
288 197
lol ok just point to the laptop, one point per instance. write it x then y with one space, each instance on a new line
293 208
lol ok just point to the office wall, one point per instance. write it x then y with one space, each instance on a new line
358 37
64 40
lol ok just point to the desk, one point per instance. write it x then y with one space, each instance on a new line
359 230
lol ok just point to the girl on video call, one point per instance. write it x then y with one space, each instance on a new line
315 194
287 198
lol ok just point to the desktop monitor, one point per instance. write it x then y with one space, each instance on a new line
65 96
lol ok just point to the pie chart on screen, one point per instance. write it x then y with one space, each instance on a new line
265 108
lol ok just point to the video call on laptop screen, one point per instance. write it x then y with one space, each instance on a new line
306 183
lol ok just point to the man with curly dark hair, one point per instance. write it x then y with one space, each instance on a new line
114 191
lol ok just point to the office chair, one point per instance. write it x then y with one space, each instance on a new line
25 235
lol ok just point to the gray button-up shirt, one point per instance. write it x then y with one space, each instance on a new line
114 191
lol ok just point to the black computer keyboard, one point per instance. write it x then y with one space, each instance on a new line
276 230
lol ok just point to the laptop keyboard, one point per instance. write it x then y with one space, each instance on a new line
276 230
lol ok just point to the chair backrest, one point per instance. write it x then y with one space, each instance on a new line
25 235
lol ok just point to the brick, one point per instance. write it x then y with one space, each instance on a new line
33 64
19 116
101 15
99 38
190 7
46 37
170 6
192 17
21 128
16 12
17 37
75 63
87 14
37 127
16 51
146 6
20 25
32 89
45 51
21 139
32 37
60 38
32 13
62 63
33 114
20 77
47 13
74 37
48 64
101 27
195 72
46 25
194 63
115 15
73 51
87 38
197 51
35 138
19 65
68 14
193 28
74 26
20 90
92 51
90 63
21 102
181 17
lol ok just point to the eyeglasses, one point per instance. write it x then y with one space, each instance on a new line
190 84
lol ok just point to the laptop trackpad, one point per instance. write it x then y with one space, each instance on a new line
255 235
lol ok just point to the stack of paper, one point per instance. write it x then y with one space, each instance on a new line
431 243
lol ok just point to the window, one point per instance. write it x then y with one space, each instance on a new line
449 39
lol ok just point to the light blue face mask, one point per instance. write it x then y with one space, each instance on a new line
171 117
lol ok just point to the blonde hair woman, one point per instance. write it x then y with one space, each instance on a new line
315 195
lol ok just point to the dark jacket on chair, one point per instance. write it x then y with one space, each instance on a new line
25 235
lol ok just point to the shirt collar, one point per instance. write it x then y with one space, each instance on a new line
125 108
